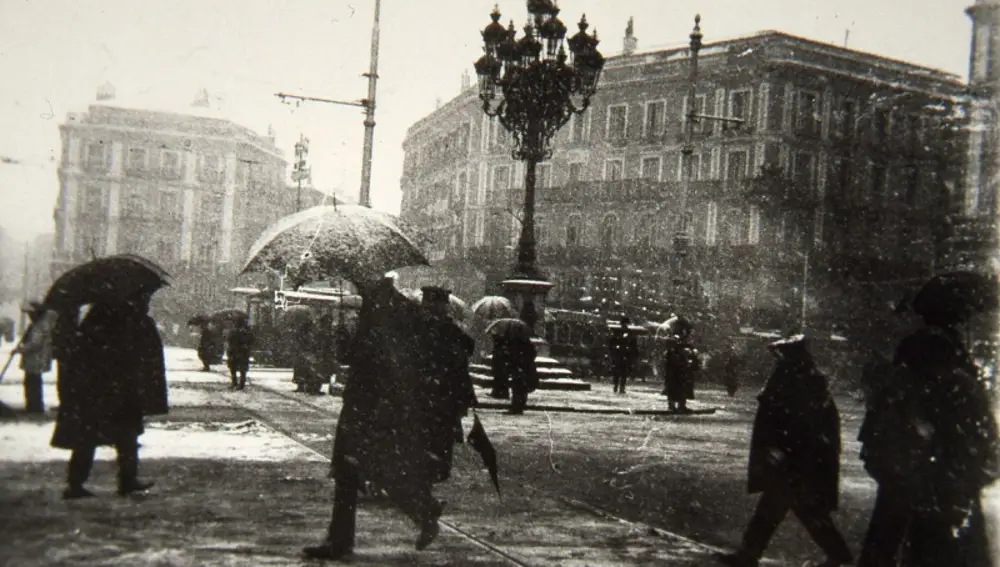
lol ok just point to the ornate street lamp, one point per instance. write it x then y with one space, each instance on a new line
533 88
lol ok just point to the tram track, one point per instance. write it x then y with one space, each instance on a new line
572 503
460 532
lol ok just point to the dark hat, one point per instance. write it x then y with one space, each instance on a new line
625 321
790 343
435 294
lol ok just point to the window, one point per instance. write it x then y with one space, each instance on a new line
614 169
690 165
94 200
575 172
212 169
576 132
739 105
208 210
655 112
736 164
644 232
541 231
500 185
735 228
617 121
462 187
165 250
846 116
498 134
753 225
543 175
610 233
912 180
134 203
981 55
170 165
96 156
711 223
206 251
168 205
882 120
804 170
137 159
808 117
878 180
651 168
573 235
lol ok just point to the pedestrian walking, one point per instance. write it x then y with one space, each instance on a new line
111 375
794 457
514 360
36 355
623 350
398 415
929 438
239 347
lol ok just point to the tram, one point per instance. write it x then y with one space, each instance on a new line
271 312
579 339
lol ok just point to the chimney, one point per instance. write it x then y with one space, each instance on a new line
106 91
201 99
629 43
466 80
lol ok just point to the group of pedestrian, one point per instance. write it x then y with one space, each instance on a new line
929 439
680 361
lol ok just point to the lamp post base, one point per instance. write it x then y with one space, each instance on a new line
531 292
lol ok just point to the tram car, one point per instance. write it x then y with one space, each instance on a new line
579 340
275 316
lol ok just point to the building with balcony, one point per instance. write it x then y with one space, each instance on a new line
837 186
189 191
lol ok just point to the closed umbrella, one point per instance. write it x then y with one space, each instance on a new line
353 242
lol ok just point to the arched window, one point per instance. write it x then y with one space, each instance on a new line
610 232
645 235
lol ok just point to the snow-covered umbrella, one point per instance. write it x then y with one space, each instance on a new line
353 242
509 328
106 280
493 307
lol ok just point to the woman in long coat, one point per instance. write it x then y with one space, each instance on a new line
391 426
794 457
111 375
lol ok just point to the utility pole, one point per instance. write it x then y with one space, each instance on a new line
300 171
364 196
24 288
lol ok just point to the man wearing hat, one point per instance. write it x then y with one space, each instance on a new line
36 355
624 351
794 457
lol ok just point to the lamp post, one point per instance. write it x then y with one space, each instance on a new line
300 171
533 88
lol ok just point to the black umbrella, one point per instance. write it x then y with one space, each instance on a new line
509 328
111 279
953 297
479 441
199 320
229 316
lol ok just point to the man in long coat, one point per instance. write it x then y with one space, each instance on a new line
111 375
794 457
211 345
623 350
393 424
930 440
680 364
36 355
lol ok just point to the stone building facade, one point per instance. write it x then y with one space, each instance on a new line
837 184
190 192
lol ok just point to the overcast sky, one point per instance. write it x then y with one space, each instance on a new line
54 54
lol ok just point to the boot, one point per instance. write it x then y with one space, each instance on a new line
76 492
78 471
128 469
327 550
737 559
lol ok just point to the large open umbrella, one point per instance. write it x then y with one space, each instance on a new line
229 317
493 307
357 243
106 280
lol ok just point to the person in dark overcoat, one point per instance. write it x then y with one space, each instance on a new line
794 457
447 366
734 365
111 375
514 357
211 345
680 365
238 350
395 417
623 351
930 441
